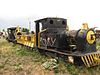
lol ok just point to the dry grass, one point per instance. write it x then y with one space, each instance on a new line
17 60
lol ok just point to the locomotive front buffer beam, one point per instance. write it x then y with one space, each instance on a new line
88 59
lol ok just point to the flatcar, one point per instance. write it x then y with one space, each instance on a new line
53 37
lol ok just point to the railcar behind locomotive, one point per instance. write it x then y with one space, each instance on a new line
52 37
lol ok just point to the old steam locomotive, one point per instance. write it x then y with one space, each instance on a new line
52 37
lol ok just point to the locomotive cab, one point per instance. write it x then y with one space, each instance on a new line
51 33
11 34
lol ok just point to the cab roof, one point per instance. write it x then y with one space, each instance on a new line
40 20
11 28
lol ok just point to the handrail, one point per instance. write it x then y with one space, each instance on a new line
39 36
43 30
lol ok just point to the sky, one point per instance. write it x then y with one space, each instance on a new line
21 12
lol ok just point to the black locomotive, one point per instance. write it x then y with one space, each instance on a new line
52 37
